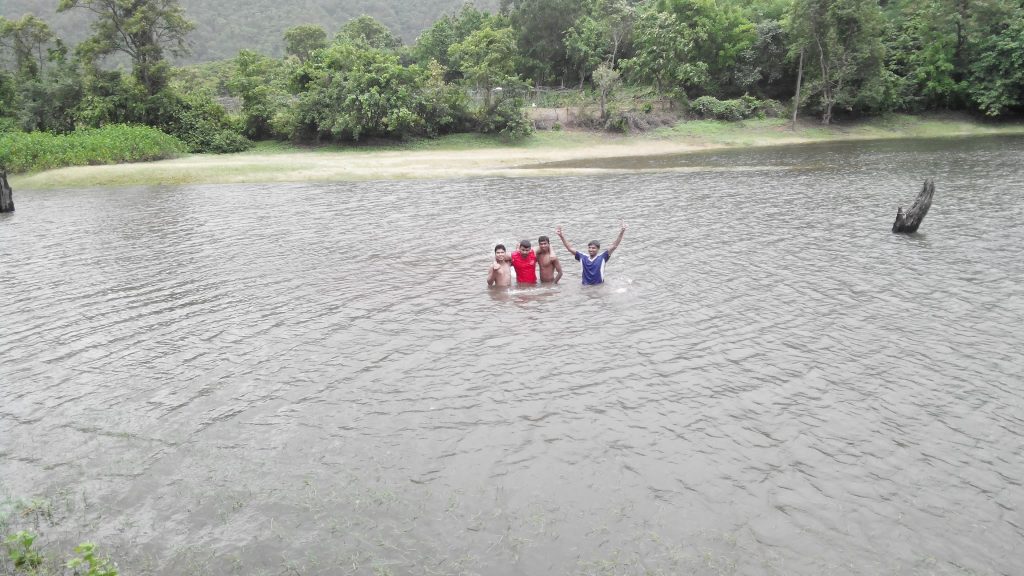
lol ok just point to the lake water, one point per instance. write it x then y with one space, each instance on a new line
314 379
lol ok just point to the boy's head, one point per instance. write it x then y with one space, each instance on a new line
499 250
592 247
524 247
543 244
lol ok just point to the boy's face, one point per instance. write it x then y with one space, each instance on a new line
544 246
524 250
499 254
592 250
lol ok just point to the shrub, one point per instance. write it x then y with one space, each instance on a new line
198 121
506 117
112 144
711 108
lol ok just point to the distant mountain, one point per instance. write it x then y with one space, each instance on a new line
223 27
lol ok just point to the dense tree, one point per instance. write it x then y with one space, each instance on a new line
664 54
367 31
843 38
142 29
925 44
763 69
541 26
28 41
717 34
351 92
301 41
996 70
262 83
434 43
486 58
606 80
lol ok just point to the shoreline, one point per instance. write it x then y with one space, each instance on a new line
477 156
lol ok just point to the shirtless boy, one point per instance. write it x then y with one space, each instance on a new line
550 267
500 272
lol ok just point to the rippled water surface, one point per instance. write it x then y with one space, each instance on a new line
314 379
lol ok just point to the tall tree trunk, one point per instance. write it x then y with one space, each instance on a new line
6 195
826 84
799 78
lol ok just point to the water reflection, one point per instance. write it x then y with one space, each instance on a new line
316 379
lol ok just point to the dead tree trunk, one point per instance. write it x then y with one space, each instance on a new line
908 221
6 195
799 77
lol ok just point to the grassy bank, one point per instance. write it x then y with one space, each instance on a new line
474 155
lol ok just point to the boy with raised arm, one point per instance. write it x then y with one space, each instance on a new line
593 263
500 272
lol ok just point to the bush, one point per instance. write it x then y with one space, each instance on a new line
198 121
711 108
506 117
112 144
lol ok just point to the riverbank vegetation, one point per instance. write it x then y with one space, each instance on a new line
24 550
111 144
617 65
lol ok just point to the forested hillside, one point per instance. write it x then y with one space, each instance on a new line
473 70
224 27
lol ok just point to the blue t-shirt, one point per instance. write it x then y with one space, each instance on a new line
593 270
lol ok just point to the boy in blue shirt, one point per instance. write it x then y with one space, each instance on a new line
593 263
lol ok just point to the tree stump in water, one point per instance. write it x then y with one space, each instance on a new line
907 222
6 195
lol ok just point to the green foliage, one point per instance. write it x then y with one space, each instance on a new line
435 42
506 118
716 34
263 83
8 104
211 78
142 29
20 551
844 51
199 122
28 40
110 97
763 68
486 58
367 31
301 41
606 80
87 563
540 27
49 102
351 91
711 108
112 144
664 54
997 72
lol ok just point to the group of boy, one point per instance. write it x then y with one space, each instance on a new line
526 263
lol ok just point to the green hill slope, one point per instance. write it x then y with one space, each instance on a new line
226 26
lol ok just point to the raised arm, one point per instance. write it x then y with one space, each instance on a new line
622 232
564 241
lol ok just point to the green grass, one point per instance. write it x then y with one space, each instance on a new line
22 152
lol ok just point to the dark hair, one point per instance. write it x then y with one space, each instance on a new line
594 243
501 246
524 243
543 239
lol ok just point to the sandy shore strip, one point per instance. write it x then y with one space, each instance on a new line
454 158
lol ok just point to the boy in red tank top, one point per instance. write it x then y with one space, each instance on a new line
524 262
